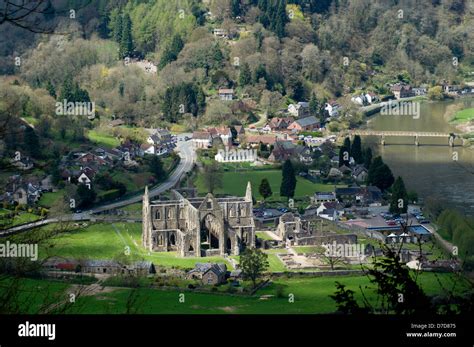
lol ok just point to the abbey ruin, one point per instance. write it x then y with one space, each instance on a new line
199 227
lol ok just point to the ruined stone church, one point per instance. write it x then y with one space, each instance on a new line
199 227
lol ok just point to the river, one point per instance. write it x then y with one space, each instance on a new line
429 169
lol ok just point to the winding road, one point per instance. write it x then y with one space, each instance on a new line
188 158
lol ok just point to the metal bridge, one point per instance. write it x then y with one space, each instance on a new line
415 134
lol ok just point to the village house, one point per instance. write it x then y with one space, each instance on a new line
332 107
147 148
334 160
130 147
334 174
151 149
284 150
330 210
419 91
226 94
83 175
208 273
109 154
401 91
240 131
223 133
371 97
314 173
220 33
23 163
364 99
159 136
84 179
202 139
451 89
305 124
320 197
26 194
88 158
62 264
22 192
363 196
301 109
234 156
257 139
345 169
278 124
111 267
360 173
306 156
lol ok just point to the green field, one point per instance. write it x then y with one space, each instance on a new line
464 115
263 235
235 183
108 241
25 217
311 296
103 139
308 249
48 199
275 264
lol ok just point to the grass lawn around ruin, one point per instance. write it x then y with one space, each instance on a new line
109 241
311 296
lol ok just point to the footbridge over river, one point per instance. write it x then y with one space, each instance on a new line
416 135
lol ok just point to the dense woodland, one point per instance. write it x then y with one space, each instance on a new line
276 52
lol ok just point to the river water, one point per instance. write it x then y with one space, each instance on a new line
429 169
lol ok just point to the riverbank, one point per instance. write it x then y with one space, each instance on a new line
463 120
429 168
375 108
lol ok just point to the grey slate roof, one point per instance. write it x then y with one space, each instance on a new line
307 121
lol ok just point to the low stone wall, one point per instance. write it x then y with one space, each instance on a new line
319 273
318 240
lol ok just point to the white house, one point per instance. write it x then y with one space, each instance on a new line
329 210
371 98
333 108
359 100
84 179
226 94
299 109
420 91
202 139
148 148
220 33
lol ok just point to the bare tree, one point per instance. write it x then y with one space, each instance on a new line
26 14
330 256
30 14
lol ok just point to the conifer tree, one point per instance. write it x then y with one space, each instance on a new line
288 182
126 41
